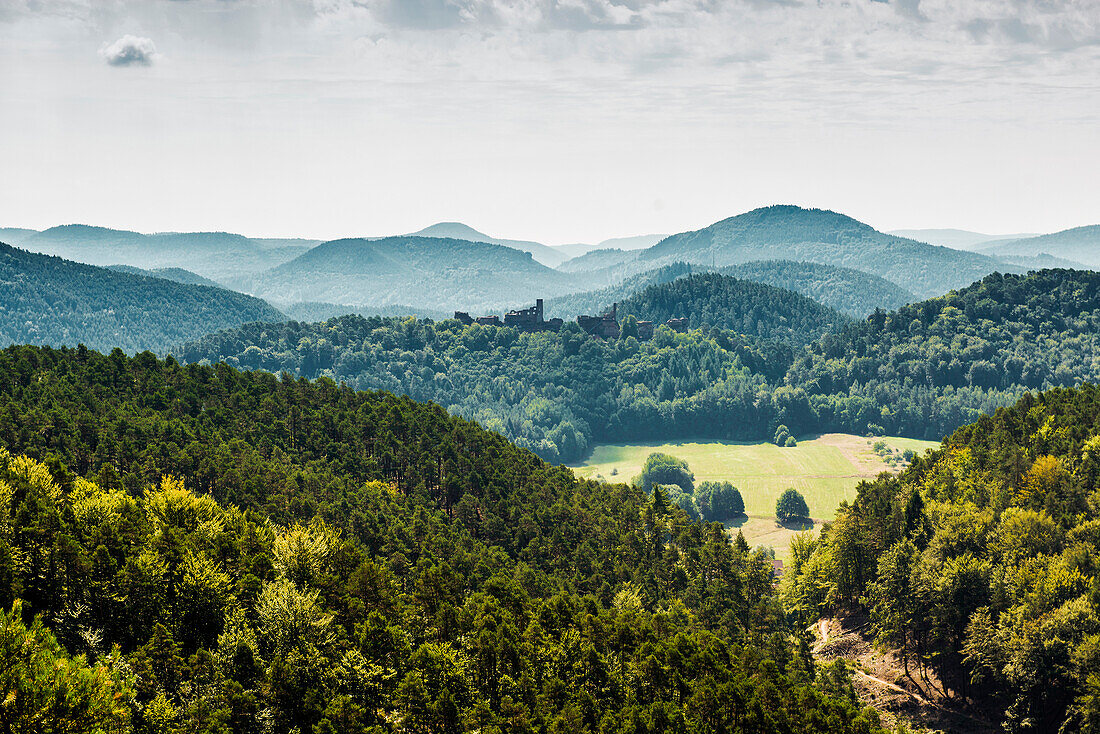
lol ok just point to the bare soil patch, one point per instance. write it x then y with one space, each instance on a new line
881 682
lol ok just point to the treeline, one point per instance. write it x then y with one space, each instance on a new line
187 548
921 371
981 564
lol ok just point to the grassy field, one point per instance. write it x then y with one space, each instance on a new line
825 469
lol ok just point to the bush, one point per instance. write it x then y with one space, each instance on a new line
791 506
790 442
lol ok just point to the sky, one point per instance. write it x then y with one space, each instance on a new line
555 120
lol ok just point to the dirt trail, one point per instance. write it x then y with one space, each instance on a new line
880 681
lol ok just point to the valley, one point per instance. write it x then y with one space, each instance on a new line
825 469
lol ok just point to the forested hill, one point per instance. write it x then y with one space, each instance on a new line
852 292
271 551
930 367
554 393
433 273
981 564
755 309
47 300
921 371
814 235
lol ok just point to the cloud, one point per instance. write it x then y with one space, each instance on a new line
130 51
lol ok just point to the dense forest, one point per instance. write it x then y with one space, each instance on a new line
981 564
742 306
554 393
197 549
921 371
47 300
930 367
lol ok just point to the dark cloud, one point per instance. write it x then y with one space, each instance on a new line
129 51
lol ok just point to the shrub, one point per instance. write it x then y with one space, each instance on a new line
790 442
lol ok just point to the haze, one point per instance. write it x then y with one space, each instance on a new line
556 120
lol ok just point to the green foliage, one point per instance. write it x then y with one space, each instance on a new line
782 433
48 300
553 393
981 562
742 306
666 469
718 501
285 556
791 506
47 691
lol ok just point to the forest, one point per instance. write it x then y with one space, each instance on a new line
920 371
198 549
980 564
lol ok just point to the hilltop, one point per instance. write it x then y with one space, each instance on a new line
548 256
815 235
434 273
742 306
48 300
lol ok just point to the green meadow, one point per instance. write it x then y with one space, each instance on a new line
825 469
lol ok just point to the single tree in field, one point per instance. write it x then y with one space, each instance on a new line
666 469
791 506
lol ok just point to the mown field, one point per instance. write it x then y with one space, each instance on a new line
825 469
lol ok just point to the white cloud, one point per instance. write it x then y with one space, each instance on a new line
129 51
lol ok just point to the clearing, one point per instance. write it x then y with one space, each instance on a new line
825 469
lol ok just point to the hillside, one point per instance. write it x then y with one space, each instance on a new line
814 235
548 256
852 292
179 275
221 256
921 371
1081 244
933 366
263 550
742 306
442 274
48 300
978 567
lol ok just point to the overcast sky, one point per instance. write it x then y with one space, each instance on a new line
556 120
